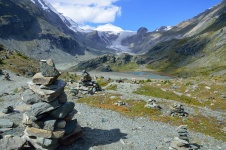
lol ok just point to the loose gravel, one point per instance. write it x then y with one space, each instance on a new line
105 129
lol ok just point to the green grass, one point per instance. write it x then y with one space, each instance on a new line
149 90
112 87
18 62
131 109
69 77
103 82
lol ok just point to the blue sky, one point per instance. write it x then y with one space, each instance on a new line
132 14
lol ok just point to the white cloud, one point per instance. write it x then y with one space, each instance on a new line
93 11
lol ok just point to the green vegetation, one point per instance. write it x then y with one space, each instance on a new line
157 92
127 67
102 82
69 77
17 62
198 122
21 55
131 109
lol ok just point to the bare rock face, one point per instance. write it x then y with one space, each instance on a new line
142 31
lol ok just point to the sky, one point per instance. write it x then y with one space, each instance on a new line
131 14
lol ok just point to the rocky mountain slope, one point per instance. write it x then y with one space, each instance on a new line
185 29
193 47
107 37
36 30
201 49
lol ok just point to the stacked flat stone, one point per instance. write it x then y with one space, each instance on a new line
178 110
49 122
181 142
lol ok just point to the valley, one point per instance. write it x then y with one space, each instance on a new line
173 66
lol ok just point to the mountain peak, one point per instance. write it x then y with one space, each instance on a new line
109 27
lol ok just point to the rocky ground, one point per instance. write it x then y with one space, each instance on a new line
106 129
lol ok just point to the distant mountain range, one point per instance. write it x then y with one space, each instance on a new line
35 28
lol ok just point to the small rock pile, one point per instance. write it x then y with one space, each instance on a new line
86 85
49 121
178 110
119 103
7 77
152 103
181 142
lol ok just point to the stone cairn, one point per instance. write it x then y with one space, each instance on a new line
49 123
86 85
181 142
152 103
178 110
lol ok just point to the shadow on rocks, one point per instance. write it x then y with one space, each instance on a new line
96 137
195 146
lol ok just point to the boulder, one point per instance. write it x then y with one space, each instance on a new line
30 131
43 107
38 78
47 68
70 116
62 98
46 94
49 125
61 124
29 97
63 111
70 126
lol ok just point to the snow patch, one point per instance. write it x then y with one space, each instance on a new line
43 5
109 27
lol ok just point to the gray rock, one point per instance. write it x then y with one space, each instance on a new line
8 110
62 98
48 69
223 96
70 126
46 143
49 125
6 123
29 97
46 123
38 78
38 146
28 119
48 95
12 143
63 111
61 124
44 107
